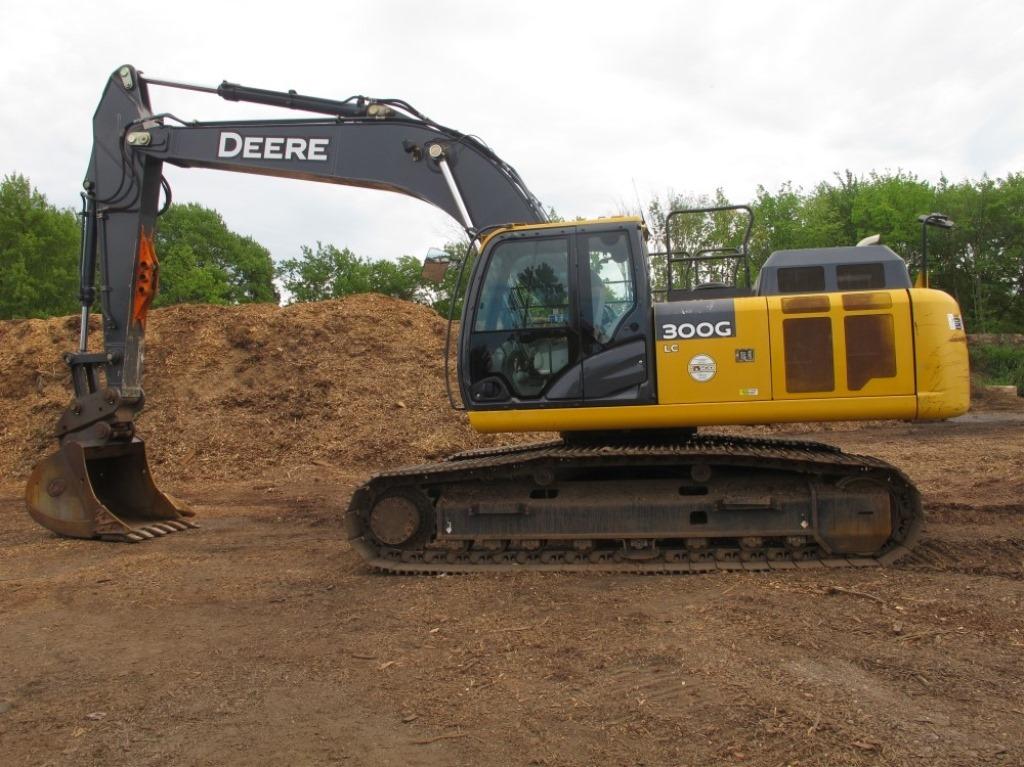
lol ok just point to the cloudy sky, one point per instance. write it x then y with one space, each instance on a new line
589 101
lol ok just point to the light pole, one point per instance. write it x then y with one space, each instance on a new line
930 219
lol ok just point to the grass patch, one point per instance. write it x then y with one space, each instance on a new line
999 365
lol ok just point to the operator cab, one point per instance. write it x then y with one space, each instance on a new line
559 315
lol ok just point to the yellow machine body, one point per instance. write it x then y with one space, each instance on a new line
861 355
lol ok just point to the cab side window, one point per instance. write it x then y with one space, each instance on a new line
612 284
860 276
527 286
802 279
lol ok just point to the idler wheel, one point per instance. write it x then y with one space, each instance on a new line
399 518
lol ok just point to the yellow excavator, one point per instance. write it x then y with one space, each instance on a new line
561 331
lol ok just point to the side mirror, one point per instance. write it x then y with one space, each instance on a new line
435 266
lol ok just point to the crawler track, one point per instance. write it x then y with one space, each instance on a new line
705 504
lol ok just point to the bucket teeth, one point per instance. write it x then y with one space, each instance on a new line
159 529
156 530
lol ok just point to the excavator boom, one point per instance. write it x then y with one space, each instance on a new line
98 483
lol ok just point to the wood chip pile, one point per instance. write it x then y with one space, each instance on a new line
247 391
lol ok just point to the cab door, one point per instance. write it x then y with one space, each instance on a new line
614 315
523 344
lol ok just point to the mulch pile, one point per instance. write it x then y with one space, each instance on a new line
257 390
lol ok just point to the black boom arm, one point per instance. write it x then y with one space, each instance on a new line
373 143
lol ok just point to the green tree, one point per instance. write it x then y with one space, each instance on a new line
981 261
202 261
38 253
780 222
694 235
793 219
328 272
400 279
842 212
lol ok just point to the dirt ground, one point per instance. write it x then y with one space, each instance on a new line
262 639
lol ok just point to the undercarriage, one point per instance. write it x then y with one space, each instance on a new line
698 504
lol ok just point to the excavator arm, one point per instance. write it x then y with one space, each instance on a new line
98 483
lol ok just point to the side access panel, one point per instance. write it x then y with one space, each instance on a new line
831 345
713 350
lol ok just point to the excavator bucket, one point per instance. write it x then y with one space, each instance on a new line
102 492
